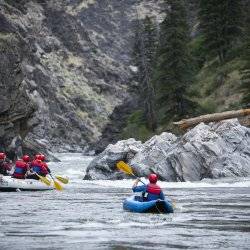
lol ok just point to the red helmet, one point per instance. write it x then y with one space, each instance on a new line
152 178
2 156
37 157
26 158
42 157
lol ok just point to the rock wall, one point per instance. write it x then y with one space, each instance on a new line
65 68
207 151
16 108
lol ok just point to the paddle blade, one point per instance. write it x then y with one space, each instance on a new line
44 180
124 167
57 186
62 179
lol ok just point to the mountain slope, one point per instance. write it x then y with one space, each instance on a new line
73 61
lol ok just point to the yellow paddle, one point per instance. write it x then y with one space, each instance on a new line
62 179
56 184
41 178
124 167
44 179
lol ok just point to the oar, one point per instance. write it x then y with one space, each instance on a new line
62 179
124 167
56 184
44 179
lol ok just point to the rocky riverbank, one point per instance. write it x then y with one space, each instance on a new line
207 151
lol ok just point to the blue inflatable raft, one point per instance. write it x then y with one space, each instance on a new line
133 204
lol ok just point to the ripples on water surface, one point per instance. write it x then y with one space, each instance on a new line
89 215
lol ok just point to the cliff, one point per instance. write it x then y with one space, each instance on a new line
65 67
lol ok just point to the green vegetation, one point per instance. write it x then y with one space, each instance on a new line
6 40
144 54
207 73
173 72
220 23
245 73
136 125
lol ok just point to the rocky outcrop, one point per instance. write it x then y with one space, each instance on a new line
104 165
68 64
206 151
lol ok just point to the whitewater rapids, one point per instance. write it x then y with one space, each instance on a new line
210 214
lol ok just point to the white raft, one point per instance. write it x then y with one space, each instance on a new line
8 184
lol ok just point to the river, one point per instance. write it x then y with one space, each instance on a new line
89 215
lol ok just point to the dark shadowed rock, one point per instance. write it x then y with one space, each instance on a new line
104 165
16 106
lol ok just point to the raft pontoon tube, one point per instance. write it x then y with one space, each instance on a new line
157 206
8 184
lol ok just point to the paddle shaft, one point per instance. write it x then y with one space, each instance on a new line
127 169
52 177
138 179
56 184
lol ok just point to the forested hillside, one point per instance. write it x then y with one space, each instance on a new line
196 61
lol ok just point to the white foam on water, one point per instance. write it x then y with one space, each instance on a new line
73 165
128 183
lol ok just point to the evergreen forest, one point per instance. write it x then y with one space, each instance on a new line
195 61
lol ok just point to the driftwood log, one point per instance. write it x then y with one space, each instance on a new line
187 123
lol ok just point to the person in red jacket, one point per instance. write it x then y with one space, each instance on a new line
150 191
42 158
37 168
21 167
5 167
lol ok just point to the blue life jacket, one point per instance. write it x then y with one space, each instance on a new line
151 197
37 169
19 170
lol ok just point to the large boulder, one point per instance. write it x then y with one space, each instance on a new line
153 156
104 165
206 151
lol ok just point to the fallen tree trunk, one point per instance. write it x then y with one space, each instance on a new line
186 123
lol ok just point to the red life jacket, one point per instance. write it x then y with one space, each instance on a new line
39 167
20 169
45 165
153 189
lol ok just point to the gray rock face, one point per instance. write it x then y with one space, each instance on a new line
104 165
206 151
16 108
70 58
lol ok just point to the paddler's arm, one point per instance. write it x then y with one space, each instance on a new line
136 182
136 188
162 196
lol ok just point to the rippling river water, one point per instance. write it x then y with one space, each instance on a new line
89 215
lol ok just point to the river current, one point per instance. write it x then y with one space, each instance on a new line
88 215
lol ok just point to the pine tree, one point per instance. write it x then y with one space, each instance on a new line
220 22
246 56
145 55
173 72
